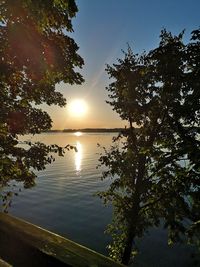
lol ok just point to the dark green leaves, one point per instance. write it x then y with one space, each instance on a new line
35 54
155 169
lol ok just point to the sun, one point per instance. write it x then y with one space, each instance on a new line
77 108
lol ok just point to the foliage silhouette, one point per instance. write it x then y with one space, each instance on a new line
154 163
35 54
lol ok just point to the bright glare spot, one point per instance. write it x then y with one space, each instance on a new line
78 133
77 108
78 157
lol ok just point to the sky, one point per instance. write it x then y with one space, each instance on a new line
102 29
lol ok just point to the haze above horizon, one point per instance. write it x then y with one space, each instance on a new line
102 30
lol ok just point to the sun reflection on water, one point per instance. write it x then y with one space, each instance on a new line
78 133
78 156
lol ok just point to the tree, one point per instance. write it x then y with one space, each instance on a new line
154 163
35 54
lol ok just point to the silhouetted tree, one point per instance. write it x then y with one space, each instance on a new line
154 164
35 54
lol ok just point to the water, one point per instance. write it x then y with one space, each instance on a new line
64 201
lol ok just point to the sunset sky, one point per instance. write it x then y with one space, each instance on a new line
102 28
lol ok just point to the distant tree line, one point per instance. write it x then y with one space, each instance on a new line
95 130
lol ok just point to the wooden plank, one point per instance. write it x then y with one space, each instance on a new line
25 243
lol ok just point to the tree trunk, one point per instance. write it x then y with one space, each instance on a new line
128 248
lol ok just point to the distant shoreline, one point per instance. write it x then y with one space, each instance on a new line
88 130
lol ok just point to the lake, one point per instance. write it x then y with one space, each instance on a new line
64 201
